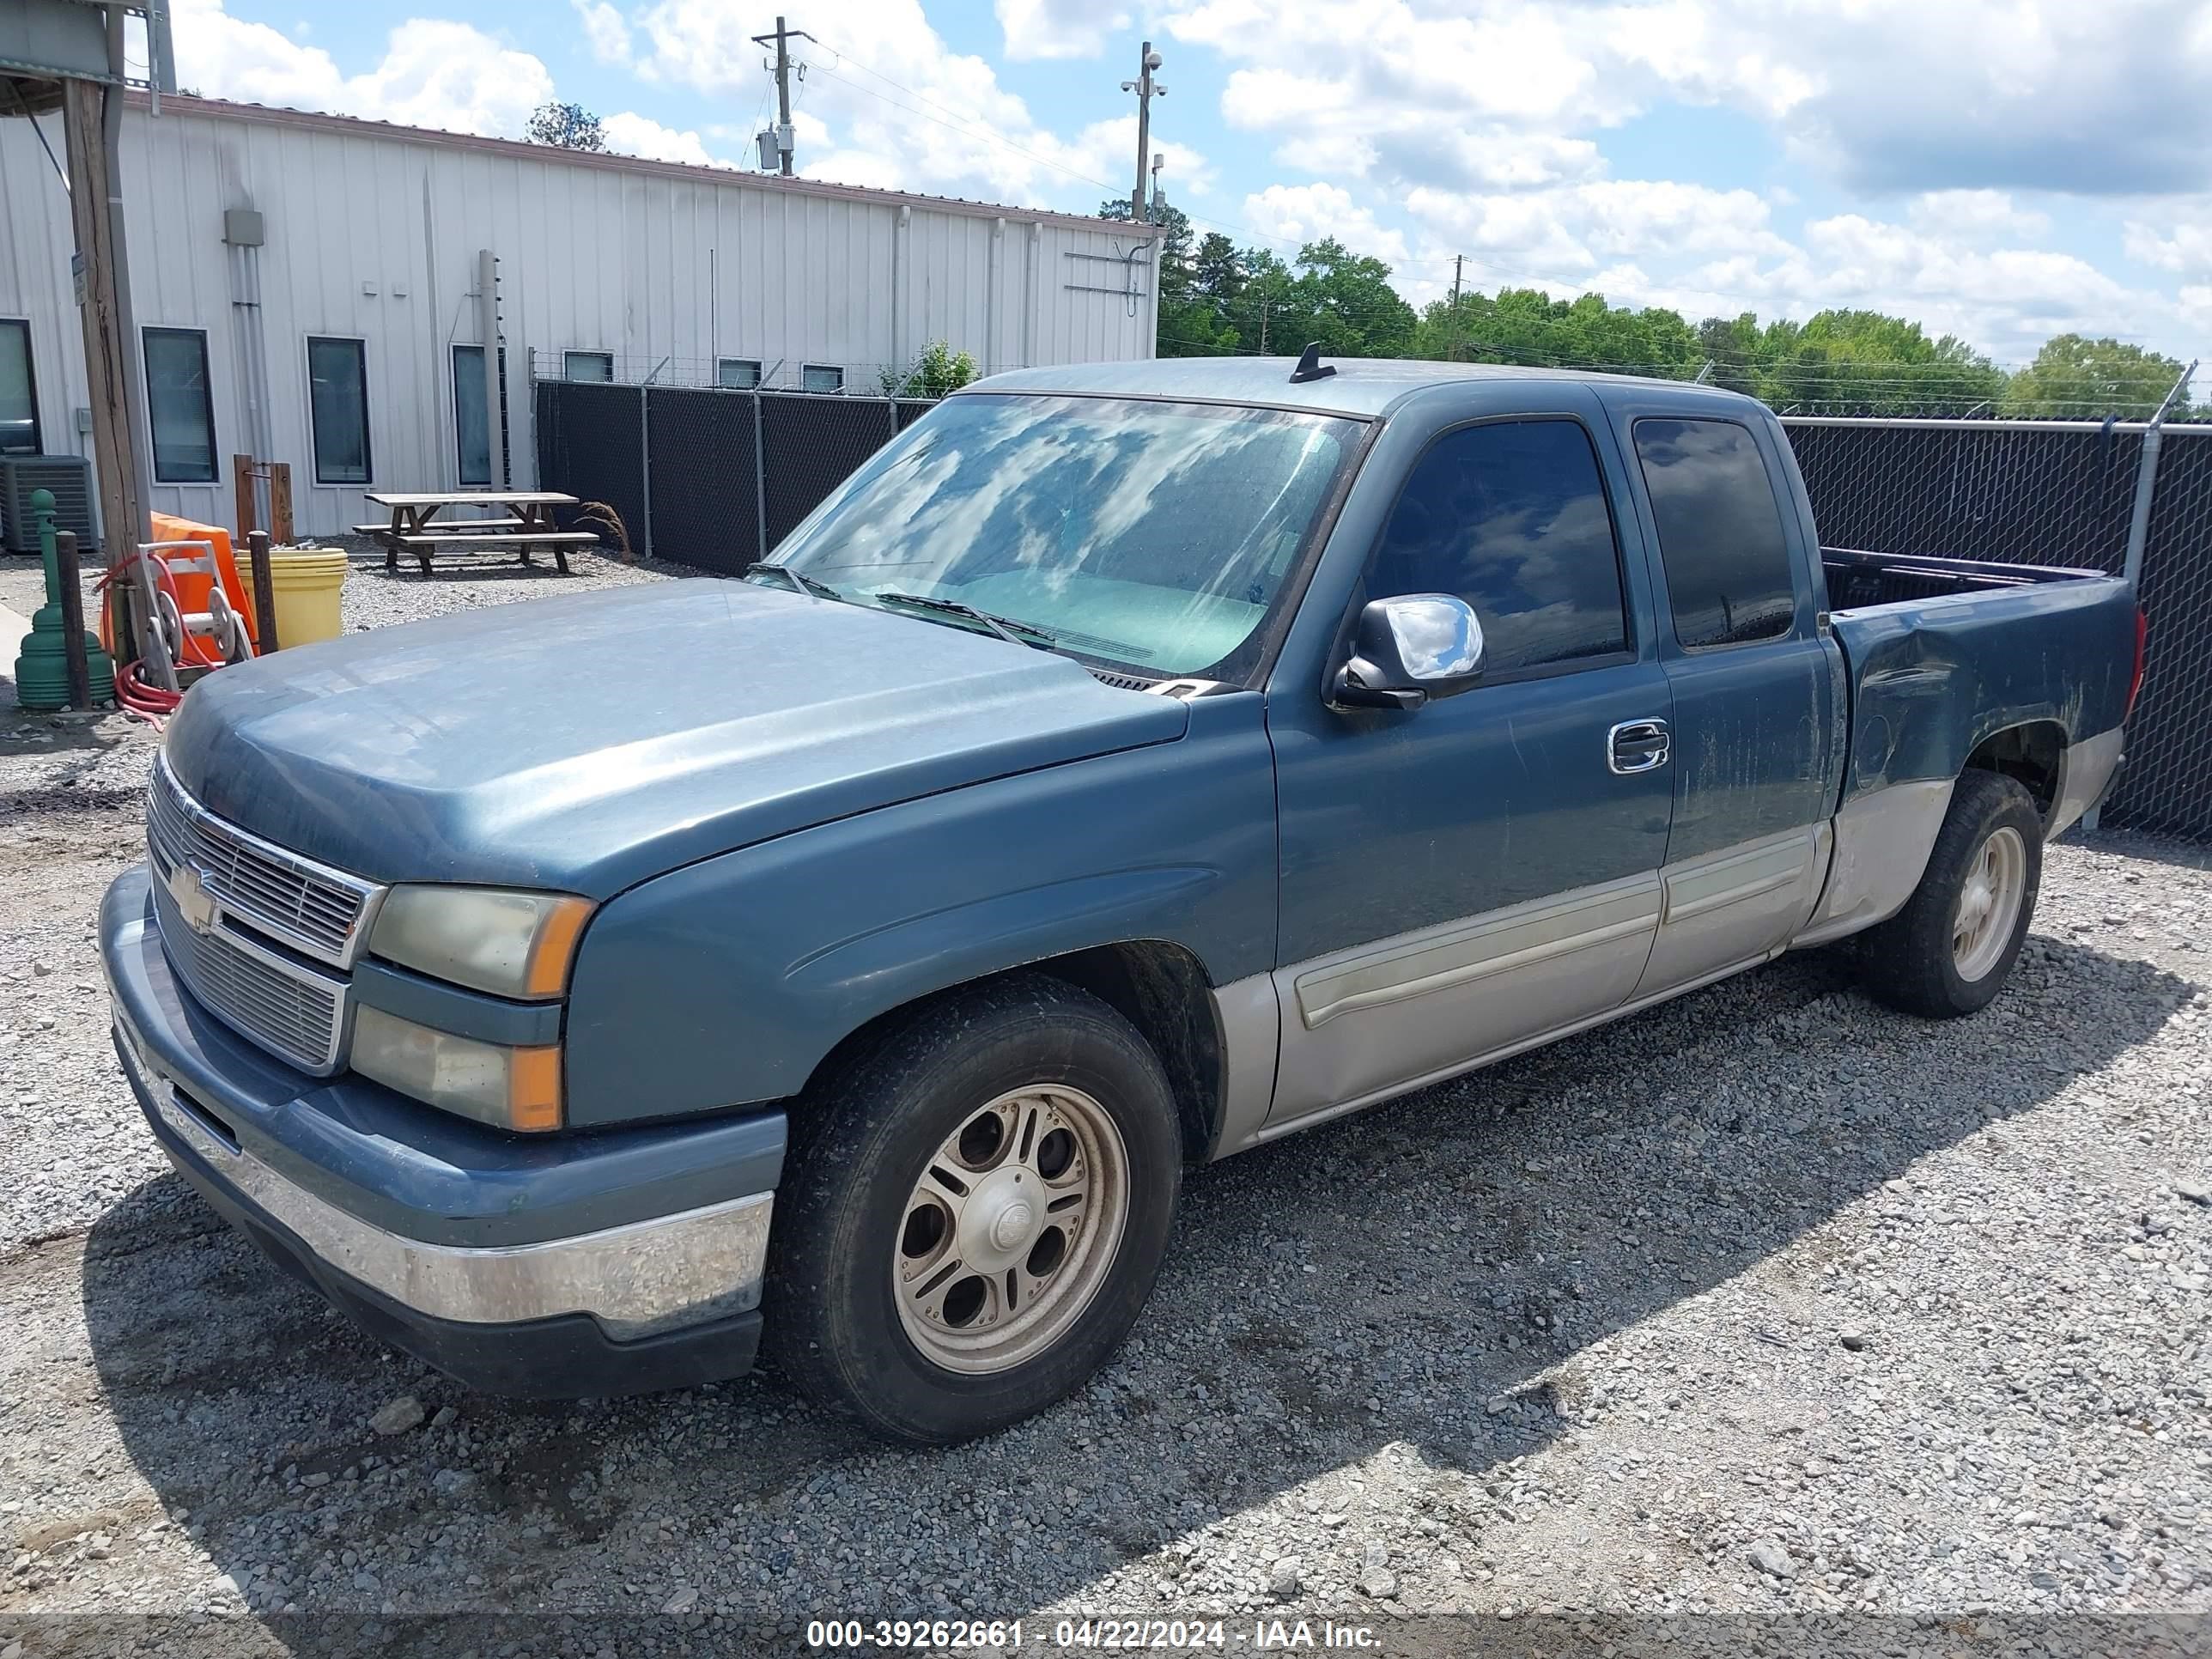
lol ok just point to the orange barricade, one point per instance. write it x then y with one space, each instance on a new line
192 588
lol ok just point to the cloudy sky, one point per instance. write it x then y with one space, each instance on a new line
2001 169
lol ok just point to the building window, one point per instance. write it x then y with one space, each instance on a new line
19 392
820 377
1728 569
738 374
337 408
597 367
472 429
179 406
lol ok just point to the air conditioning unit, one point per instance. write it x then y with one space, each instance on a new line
70 478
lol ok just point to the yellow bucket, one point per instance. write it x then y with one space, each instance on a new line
305 585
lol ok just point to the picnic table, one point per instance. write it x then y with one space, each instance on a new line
524 521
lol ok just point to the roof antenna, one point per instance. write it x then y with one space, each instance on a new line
1310 367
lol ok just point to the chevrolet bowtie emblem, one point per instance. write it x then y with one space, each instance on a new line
188 887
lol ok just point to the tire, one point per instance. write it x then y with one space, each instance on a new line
865 1227
1929 959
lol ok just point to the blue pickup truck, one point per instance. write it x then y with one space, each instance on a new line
1126 766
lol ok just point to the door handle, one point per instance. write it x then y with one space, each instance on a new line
1637 746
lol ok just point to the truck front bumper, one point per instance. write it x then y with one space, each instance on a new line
616 1262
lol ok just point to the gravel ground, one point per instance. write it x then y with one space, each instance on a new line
1765 1303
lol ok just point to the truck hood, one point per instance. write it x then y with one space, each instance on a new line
586 743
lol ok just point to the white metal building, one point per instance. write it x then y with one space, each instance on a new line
306 289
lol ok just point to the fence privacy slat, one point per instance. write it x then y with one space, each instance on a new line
704 510
590 443
810 445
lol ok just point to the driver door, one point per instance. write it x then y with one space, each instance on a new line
1483 869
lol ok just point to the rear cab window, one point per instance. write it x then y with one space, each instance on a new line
1729 577
1511 516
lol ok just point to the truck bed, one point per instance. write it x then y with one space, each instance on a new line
1858 579
1940 654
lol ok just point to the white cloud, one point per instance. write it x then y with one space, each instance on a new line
1059 28
1967 93
1568 231
1293 214
1479 127
631 134
901 108
437 74
606 29
2182 243
1891 95
1976 216
1108 149
2007 302
434 73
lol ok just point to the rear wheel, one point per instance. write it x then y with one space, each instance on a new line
974 1209
1952 948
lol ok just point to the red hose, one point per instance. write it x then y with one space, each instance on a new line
140 698
151 703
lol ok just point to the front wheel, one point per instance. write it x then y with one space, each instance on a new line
1952 948
977 1205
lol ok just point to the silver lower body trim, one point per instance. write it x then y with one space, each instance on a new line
2086 775
1882 842
636 1280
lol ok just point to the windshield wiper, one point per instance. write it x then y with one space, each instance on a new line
1006 627
813 588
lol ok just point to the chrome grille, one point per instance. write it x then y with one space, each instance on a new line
315 909
296 1011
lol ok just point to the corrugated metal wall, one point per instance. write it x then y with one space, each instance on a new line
374 235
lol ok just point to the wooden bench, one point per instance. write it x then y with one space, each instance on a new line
450 538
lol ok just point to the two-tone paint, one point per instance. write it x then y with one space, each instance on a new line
799 816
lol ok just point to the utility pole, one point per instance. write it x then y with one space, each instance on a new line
101 302
1146 90
1458 260
781 40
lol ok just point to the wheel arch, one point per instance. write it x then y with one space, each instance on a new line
2033 753
1161 988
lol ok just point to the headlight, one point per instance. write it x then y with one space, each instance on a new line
508 1088
512 945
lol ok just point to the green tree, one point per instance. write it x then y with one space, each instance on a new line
1345 301
1527 325
1217 270
569 126
936 371
1867 363
2081 379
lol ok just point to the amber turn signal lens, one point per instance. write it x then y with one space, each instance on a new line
555 947
534 1090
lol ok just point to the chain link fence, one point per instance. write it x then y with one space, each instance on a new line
2054 493
2018 494
717 477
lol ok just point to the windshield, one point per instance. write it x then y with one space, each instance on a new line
1156 534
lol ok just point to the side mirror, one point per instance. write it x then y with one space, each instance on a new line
1408 650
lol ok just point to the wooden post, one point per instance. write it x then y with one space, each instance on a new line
72 598
242 478
280 502
106 359
265 590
